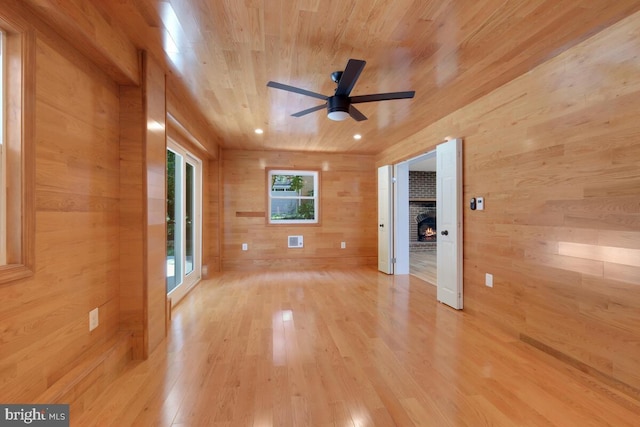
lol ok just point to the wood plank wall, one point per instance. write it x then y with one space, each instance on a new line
132 222
44 320
190 119
556 155
100 224
348 212
211 221
155 197
95 36
142 209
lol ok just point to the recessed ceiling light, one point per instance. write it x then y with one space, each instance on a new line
357 136
259 131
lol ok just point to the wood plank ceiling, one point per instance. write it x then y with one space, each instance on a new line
450 52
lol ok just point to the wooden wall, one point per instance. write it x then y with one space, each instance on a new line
132 220
348 212
100 217
44 320
155 162
211 222
556 155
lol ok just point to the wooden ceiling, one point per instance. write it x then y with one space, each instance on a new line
450 52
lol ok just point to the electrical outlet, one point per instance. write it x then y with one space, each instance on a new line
94 320
245 247
343 245
488 280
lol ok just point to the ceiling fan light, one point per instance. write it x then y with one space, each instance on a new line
338 115
338 108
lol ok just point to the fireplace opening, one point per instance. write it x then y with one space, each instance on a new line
427 226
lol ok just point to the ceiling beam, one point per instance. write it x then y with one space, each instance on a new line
83 26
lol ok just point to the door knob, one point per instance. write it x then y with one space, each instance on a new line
445 232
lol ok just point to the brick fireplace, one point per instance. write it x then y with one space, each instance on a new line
422 211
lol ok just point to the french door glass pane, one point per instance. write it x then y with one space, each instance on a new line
174 212
189 219
183 222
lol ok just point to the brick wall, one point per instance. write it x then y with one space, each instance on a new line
422 185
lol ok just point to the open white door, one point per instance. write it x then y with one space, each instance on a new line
385 217
400 226
449 216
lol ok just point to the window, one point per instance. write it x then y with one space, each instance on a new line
293 197
17 165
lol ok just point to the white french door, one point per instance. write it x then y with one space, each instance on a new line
385 219
184 223
449 215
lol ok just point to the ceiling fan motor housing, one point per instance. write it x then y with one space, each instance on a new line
338 107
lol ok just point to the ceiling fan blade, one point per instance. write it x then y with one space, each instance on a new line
356 114
382 96
276 85
309 110
349 77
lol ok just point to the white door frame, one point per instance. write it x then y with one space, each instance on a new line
401 215
192 278
401 219
401 207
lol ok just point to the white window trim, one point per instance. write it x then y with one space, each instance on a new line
315 197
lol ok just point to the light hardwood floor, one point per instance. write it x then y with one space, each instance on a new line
423 265
345 348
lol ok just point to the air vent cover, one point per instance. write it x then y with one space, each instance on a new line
295 242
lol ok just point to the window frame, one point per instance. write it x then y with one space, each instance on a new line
316 196
18 148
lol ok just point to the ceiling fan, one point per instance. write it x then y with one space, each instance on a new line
340 105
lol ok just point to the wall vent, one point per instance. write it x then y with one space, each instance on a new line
295 242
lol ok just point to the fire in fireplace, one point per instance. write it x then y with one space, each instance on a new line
427 226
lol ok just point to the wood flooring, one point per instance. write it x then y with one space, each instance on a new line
345 348
424 265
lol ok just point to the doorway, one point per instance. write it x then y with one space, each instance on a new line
184 240
422 218
432 227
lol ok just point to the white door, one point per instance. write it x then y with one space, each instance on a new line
385 217
449 222
184 243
